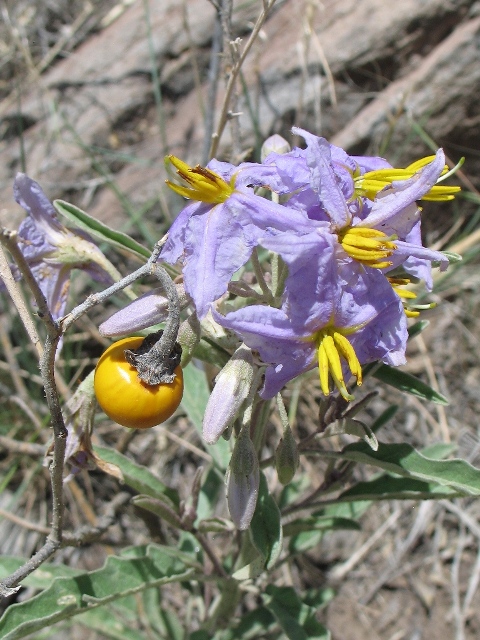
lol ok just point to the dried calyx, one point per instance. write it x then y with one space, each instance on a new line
155 364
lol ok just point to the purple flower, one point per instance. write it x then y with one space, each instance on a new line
335 315
51 249
367 203
216 235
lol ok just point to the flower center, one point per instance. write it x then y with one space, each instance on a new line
332 346
368 246
371 183
201 183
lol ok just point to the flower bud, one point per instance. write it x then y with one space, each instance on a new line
274 144
231 389
145 311
286 457
243 481
189 337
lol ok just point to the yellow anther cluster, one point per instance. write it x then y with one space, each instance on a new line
201 183
332 346
371 183
404 295
368 246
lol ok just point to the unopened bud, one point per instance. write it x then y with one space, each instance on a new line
286 457
189 337
144 312
231 389
274 144
243 481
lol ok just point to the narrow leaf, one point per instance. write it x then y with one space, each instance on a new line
403 459
405 382
308 533
139 478
417 328
160 508
252 626
297 619
319 523
101 231
387 487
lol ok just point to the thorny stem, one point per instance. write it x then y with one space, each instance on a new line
54 539
267 5
210 553
97 298
47 369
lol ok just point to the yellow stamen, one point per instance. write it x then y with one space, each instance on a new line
371 183
201 183
332 347
405 295
368 246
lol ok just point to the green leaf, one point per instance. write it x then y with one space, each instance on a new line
139 478
319 523
162 619
212 486
265 536
352 428
265 528
194 402
39 579
318 598
96 228
402 459
452 257
439 450
103 620
252 626
417 328
307 533
349 510
67 597
404 382
387 487
159 507
384 417
297 619
210 352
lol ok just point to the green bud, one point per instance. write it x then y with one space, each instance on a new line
189 337
286 457
243 481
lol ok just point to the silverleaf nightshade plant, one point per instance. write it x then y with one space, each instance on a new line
346 232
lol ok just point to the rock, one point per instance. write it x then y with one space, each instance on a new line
359 73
